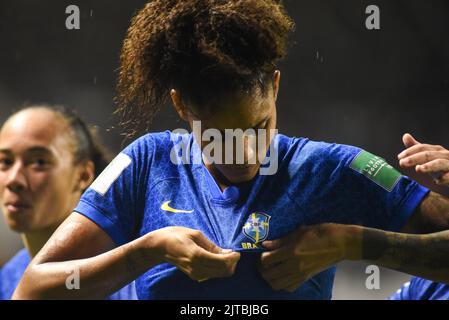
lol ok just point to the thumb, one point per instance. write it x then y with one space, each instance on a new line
272 245
233 256
409 141
202 241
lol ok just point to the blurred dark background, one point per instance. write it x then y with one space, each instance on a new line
341 82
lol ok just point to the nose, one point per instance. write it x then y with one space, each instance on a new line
250 149
245 150
240 148
16 180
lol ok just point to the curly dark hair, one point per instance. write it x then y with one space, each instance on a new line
205 49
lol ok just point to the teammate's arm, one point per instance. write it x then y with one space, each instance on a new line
294 259
425 255
80 247
421 250
433 213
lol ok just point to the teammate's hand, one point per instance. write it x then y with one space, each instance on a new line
194 254
426 158
301 255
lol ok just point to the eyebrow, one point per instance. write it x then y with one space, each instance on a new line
31 150
38 150
7 151
253 127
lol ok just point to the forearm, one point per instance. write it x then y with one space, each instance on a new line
99 276
425 256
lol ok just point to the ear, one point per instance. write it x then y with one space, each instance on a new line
86 175
276 83
179 105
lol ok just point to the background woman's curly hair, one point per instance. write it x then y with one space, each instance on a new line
206 49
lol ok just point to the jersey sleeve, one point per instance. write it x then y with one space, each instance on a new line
114 200
382 196
353 186
402 294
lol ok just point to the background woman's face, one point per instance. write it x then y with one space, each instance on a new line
37 174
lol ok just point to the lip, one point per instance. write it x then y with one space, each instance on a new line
244 166
17 207
242 169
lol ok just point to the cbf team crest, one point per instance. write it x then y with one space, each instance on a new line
257 227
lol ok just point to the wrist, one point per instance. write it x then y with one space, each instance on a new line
352 242
146 252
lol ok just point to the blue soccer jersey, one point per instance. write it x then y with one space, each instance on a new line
422 289
13 270
142 190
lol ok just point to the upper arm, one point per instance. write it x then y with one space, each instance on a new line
77 238
432 215
367 191
115 201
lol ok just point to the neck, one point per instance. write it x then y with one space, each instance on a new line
36 240
222 182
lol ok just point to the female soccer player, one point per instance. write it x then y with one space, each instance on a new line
180 227
48 157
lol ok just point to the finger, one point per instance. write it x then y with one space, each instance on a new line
278 243
409 140
272 245
434 166
418 148
196 274
296 286
232 258
232 263
204 242
268 259
283 282
420 158
217 259
207 269
279 270
444 180
225 264
203 273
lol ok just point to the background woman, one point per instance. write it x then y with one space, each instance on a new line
48 157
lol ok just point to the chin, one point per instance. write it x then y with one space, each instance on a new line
240 176
18 227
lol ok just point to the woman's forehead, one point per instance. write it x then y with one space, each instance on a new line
32 128
238 113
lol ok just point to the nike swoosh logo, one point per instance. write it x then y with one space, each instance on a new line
166 207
